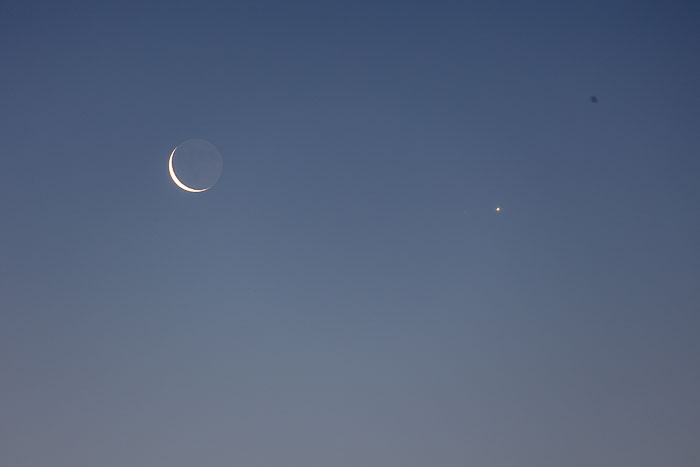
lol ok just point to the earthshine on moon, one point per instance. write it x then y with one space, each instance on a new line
197 166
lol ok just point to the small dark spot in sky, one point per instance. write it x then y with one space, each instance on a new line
594 99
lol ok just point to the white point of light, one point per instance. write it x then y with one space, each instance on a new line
177 180
498 209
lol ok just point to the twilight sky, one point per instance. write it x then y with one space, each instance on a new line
346 295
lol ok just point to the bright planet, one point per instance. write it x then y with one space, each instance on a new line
195 165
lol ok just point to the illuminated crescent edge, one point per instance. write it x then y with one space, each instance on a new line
177 180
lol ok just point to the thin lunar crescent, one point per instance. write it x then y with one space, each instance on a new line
177 180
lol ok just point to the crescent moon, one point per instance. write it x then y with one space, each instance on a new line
177 180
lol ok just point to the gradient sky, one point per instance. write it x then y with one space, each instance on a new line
346 295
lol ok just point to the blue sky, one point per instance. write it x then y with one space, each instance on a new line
346 294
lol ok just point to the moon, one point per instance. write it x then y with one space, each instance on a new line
197 167
177 180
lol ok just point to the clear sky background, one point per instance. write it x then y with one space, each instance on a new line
346 295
